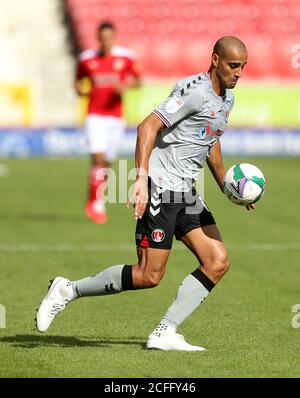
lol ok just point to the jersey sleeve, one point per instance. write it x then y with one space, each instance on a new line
134 68
180 104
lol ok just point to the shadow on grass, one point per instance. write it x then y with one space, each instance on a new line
33 341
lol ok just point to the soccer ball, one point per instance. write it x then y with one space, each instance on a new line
244 184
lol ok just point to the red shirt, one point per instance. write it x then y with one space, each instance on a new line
104 73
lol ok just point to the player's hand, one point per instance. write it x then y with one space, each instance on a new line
139 197
250 207
82 87
120 88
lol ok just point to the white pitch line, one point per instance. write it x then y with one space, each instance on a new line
65 247
4 171
292 246
98 247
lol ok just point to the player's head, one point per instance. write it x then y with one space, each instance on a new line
228 60
106 36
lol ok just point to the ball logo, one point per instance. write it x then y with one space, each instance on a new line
158 235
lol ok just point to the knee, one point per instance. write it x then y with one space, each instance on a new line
152 279
218 266
224 264
145 278
99 160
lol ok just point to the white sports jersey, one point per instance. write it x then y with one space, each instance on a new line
195 117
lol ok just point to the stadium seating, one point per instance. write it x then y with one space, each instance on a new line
174 37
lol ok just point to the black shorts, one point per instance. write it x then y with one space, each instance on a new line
170 213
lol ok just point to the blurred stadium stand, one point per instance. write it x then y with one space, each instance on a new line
174 38
36 73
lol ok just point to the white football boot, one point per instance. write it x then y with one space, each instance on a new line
60 294
166 340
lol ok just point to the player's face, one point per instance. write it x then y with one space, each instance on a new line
229 68
106 39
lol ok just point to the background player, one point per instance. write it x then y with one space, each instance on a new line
173 144
111 70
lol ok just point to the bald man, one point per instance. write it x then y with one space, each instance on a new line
173 144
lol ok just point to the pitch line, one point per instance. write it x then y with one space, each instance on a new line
4 171
98 247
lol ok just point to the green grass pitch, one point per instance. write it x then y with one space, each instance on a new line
245 324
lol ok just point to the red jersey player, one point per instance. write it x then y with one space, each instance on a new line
111 70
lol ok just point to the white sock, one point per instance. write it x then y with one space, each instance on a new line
191 293
69 291
164 327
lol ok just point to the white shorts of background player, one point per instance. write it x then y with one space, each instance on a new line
104 135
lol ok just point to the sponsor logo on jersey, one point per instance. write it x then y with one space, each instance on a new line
118 64
174 104
209 132
202 133
139 236
212 133
158 235
105 79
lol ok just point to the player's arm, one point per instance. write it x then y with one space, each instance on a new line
131 82
147 131
133 79
81 77
216 165
79 87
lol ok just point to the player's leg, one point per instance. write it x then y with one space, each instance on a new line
104 137
210 251
196 228
150 268
114 139
97 132
99 161
147 273
207 245
154 235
